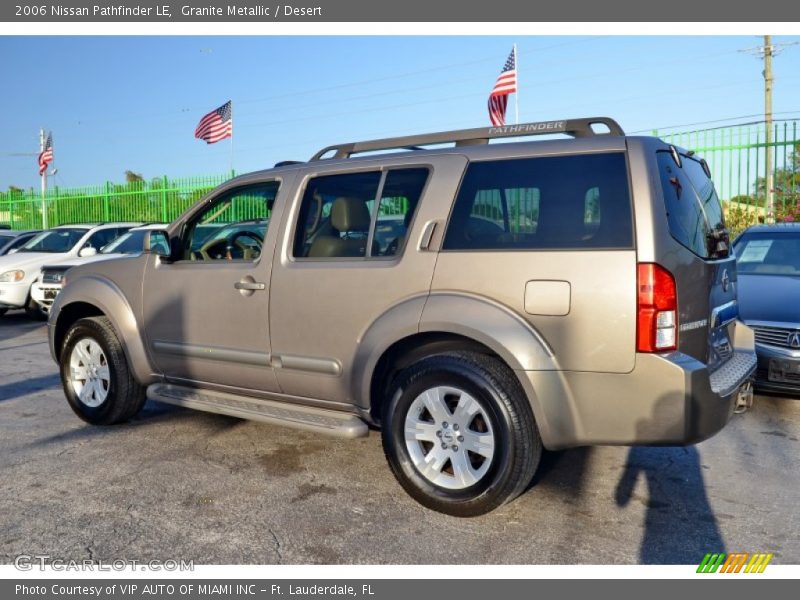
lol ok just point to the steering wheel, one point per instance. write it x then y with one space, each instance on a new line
229 243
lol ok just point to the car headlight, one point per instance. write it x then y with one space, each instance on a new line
12 276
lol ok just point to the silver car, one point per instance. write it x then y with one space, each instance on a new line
536 294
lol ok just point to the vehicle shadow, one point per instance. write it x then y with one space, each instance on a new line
153 413
16 324
17 389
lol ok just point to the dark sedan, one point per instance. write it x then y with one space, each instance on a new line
768 265
11 240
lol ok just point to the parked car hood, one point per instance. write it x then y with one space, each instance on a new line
29 260
81 260
769 298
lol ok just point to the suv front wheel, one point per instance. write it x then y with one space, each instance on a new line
459 434
94 372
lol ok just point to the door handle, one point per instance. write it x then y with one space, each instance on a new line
427 235
252 286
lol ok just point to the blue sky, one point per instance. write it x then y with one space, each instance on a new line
118 103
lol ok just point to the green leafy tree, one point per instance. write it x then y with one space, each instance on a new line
785 189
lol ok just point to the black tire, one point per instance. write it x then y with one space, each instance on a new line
494 386
34 311
125 396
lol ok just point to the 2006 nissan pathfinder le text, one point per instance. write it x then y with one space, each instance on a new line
476 302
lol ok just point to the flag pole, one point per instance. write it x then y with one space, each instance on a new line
232 173
44 180
516 94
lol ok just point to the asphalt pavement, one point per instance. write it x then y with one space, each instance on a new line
177 484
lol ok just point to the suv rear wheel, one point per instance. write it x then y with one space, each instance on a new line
95 374
459 434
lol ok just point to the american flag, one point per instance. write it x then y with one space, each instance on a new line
216 125
506 84
46 155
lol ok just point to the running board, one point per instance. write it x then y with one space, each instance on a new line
329 422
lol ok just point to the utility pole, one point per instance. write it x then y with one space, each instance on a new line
770 197
44 181
766 52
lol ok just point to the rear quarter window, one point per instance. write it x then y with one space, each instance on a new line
554 202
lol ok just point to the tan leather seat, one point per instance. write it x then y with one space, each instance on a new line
349 216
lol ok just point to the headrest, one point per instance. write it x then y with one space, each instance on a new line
350 214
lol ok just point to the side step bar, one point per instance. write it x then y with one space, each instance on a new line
320 420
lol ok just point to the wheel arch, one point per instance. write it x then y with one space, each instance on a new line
100 297
408 350
448 322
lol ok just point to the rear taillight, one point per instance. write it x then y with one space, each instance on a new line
656 309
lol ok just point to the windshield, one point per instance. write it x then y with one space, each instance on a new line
55 240
128 243
768 253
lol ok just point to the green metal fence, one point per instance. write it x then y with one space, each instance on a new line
158 200
736 155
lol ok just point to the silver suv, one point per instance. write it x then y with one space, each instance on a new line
476 302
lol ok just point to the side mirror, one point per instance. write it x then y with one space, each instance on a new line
87 251
156 242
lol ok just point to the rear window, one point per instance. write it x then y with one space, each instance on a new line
554 202
693 209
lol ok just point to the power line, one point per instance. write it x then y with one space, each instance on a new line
435 100
785 112
358 83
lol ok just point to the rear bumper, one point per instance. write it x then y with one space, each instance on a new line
668 399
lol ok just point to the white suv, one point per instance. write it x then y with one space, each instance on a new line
20 270
45 290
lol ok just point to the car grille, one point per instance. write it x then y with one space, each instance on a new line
52 276
774 336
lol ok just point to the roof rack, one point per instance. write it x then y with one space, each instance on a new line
471 137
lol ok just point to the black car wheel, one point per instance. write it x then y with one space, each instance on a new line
95 374
459 433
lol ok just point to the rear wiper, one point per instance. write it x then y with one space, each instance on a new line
718 242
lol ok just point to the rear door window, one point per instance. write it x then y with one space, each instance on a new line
102 238
554 202
338 216
693 209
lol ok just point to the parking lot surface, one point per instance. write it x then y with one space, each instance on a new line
178 484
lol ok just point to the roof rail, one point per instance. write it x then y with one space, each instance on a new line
472 137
